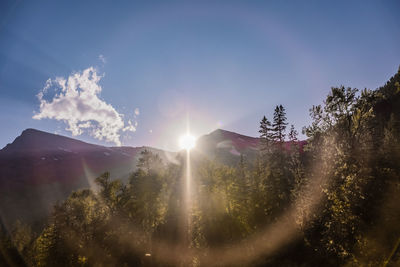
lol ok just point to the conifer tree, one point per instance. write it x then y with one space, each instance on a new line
279 124
292 134
265 135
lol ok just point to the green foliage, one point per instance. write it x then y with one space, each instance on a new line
341 192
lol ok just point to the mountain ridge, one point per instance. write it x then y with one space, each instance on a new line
28 132
28 135
38 168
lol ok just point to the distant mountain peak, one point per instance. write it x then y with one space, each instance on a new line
32 131
219 130
222 138
33 140
229 133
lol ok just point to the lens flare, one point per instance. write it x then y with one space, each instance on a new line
187 142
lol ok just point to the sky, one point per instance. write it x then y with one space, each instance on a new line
137 73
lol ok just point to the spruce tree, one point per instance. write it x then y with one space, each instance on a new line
293 134
265 135
279 124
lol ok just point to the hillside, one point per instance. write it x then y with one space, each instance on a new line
39 168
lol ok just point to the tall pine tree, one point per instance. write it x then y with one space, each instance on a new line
266 136
279 124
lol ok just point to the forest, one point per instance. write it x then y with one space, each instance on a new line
332 202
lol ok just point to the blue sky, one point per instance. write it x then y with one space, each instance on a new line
221 64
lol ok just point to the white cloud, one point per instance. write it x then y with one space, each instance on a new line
102 59
77 103
130 126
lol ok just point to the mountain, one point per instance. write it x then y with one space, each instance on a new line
227 147
37 157
39 168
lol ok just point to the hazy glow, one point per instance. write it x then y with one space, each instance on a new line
187 142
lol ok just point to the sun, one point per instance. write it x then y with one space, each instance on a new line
187 142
